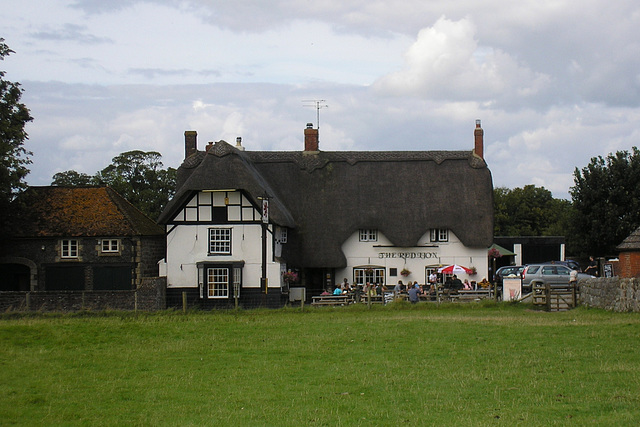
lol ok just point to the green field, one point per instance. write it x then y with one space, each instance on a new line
489 364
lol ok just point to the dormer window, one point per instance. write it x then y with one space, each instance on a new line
281 235
368 235
439 235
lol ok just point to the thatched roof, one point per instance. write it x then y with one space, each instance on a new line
631 243
324 197
80 211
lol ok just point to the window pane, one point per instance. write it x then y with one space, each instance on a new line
110 245
218 282
368 235
220 241
69 248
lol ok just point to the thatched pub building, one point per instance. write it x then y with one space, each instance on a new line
241 219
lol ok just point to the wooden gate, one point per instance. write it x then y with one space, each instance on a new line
554 298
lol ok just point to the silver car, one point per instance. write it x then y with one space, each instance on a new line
554 274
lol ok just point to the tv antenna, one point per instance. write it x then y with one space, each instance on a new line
317 104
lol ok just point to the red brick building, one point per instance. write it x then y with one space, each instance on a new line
629 264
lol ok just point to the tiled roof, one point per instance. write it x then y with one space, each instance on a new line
81 211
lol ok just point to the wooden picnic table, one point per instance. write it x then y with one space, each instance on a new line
332 299
474 295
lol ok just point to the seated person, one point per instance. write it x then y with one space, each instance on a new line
456 284
448 284
466 285
325 292
337 291
484 283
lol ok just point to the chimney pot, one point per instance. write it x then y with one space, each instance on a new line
239 143
309 125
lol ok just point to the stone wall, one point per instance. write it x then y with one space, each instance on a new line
149 296
615 293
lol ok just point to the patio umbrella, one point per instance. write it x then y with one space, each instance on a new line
454 269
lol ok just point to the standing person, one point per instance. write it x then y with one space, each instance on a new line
433 278
414 294
399 287
592 268
573 278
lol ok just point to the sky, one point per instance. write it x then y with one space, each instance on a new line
554 82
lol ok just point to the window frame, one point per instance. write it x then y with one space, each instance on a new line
221 246
110 250
439 235
217 289
69 249
376 276
368 235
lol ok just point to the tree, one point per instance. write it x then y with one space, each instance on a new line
14 158
72 179
136 175
529 211
606 199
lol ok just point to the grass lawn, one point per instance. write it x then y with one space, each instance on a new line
471 364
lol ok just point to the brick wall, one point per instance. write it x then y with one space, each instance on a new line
614 294
629 264
251 298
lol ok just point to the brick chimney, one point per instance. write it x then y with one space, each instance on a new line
478 133
310 138
190 142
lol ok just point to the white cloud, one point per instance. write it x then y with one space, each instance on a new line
446 63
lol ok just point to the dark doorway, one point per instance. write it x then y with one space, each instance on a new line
67 278
112 278
16 278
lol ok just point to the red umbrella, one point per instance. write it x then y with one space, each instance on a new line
454 269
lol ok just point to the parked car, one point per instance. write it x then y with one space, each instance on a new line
508 270
569 263
554 274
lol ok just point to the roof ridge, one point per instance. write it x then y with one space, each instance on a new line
128 209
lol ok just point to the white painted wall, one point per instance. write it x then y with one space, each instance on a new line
382 254
187 245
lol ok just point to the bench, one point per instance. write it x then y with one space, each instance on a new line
471 295
332 300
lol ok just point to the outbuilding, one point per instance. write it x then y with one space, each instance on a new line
84 244
629 257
